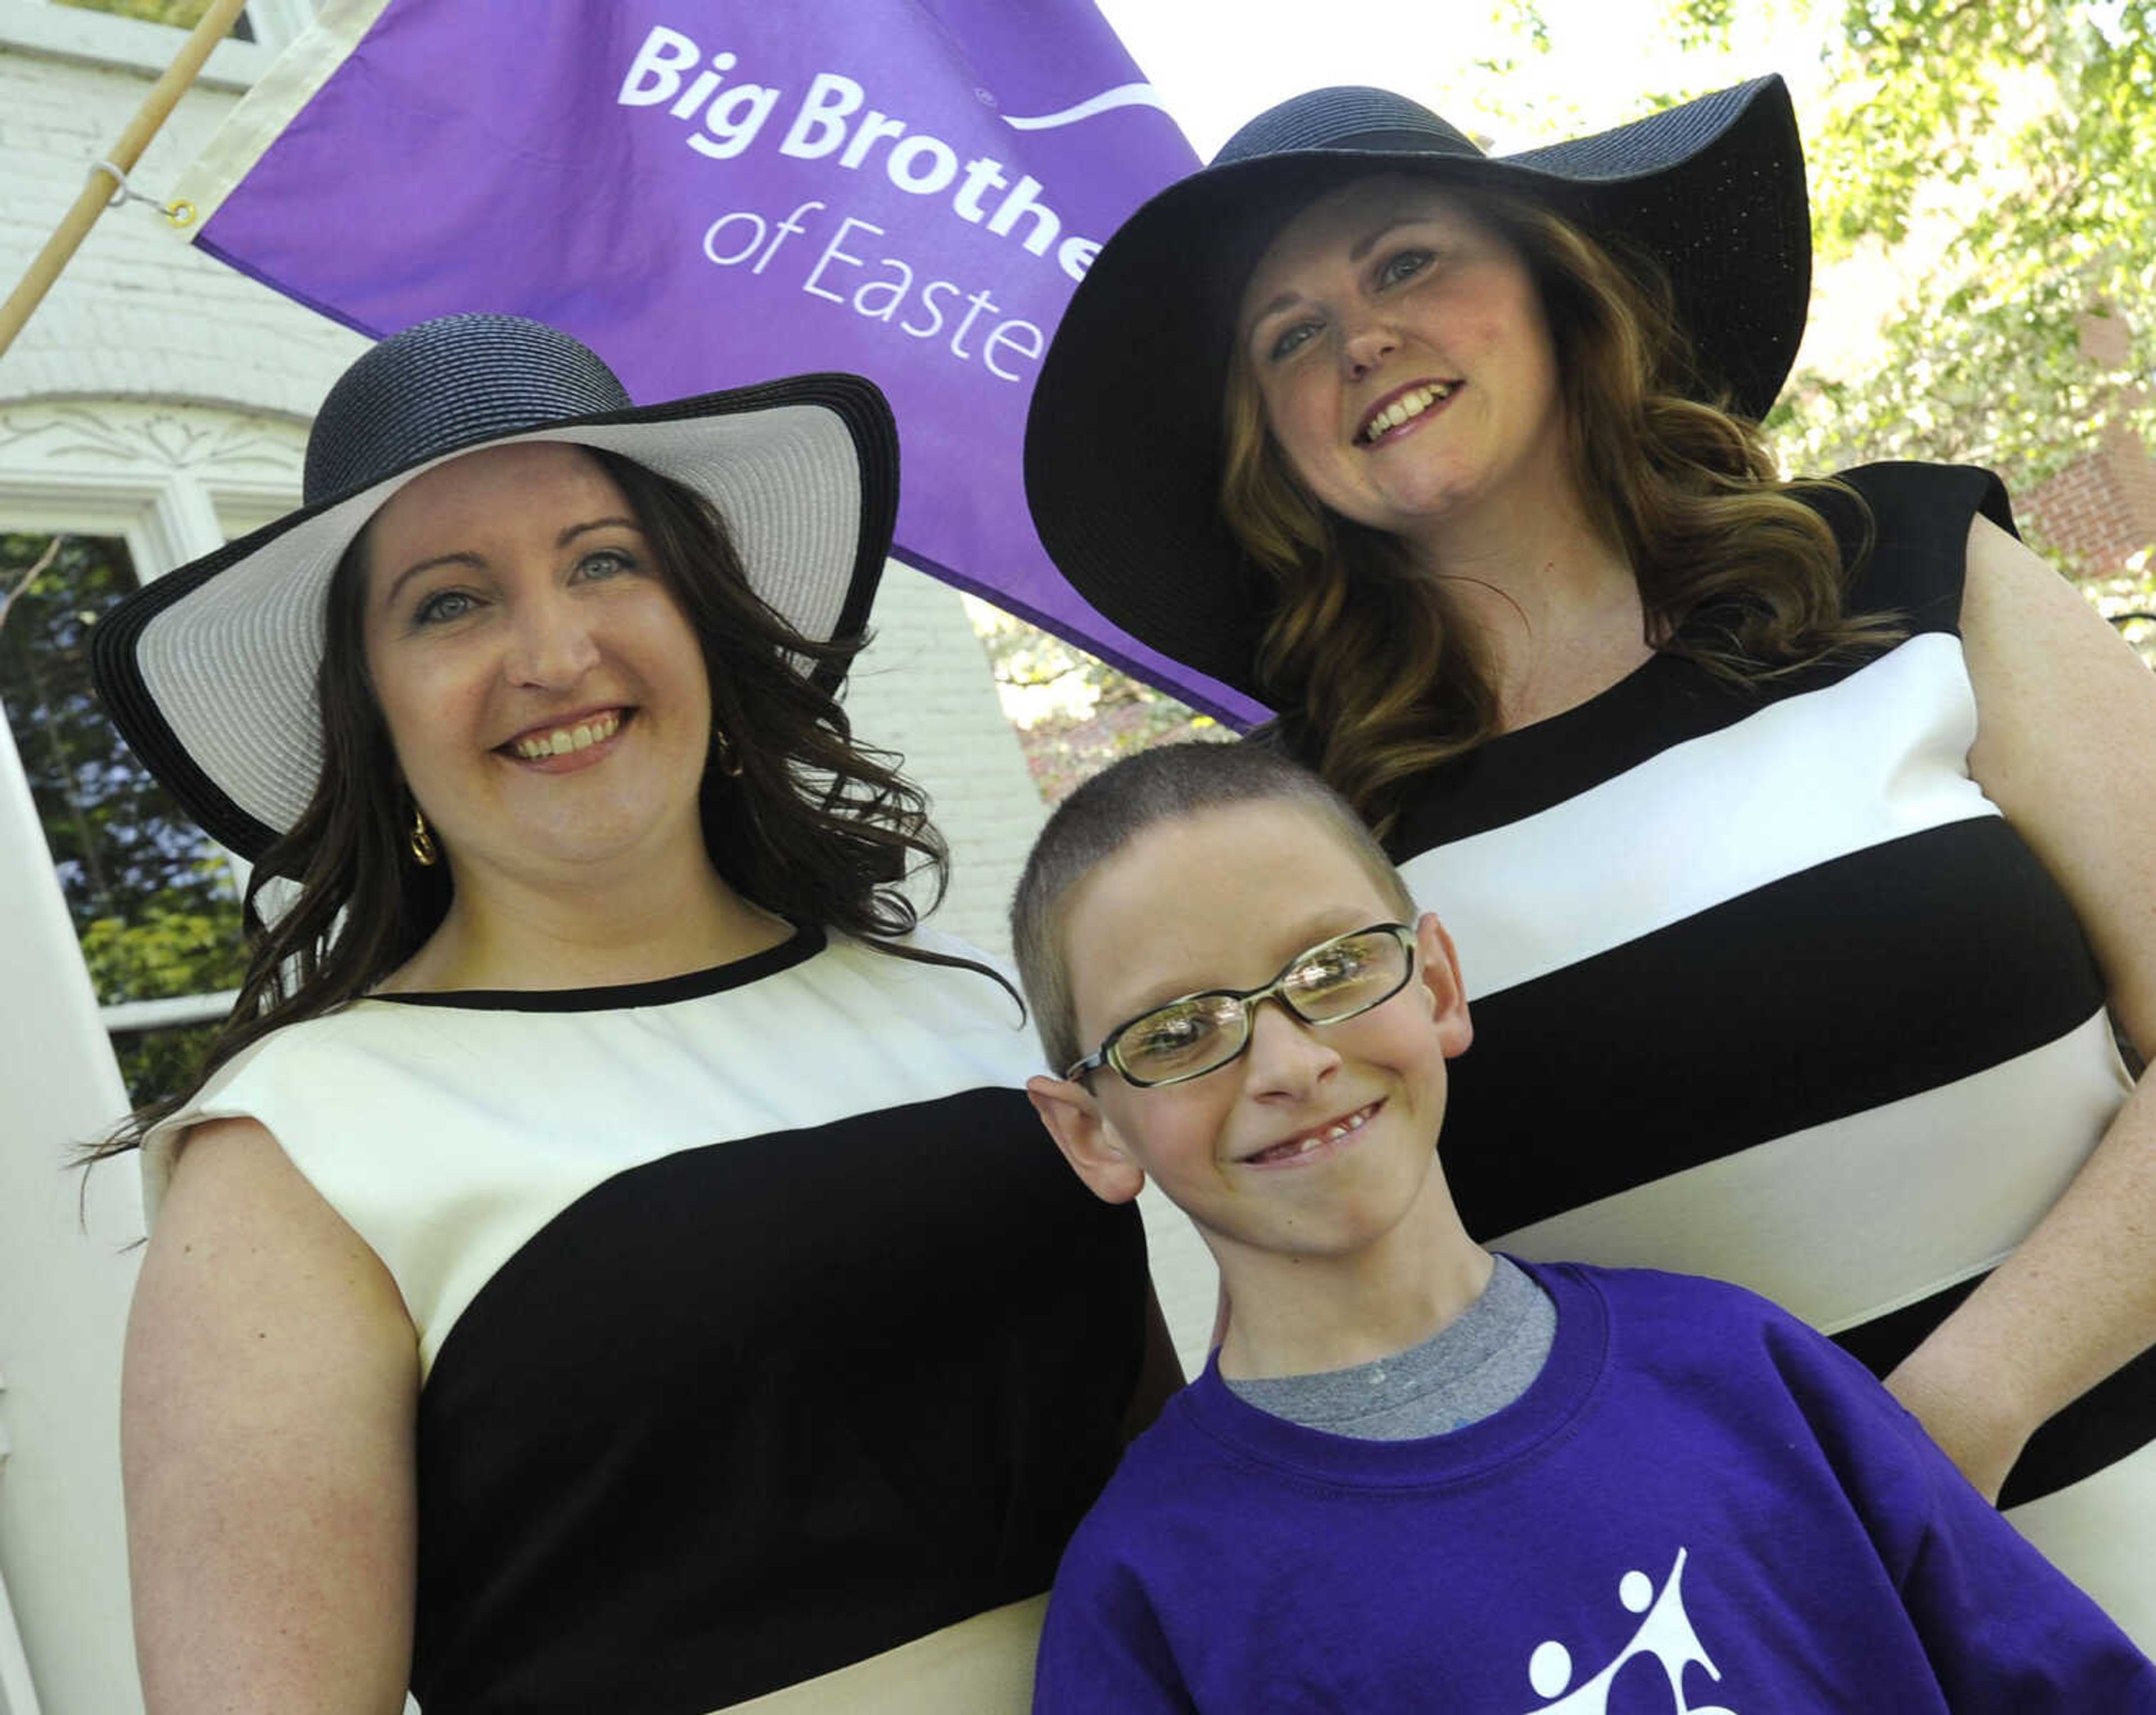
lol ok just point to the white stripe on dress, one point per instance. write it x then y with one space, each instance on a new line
1846 1221
2091 1529
1812 777
418 1125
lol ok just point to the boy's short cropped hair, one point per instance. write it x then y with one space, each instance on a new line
1116 806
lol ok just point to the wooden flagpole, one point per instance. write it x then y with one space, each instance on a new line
215 23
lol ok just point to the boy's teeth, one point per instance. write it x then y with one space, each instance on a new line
564 739
1304 1145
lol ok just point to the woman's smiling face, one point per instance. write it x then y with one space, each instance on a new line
546 697
1403 359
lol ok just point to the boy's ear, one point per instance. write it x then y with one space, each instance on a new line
1074 1120
1440 980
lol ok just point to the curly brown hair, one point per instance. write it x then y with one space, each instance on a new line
816 827
1377 677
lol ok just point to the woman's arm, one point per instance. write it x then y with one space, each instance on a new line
271 1377
2066 745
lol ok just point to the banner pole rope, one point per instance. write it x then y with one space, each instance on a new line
110 175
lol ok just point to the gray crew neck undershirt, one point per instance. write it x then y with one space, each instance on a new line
1470 1369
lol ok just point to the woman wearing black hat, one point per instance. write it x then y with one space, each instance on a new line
611 1263
1793 837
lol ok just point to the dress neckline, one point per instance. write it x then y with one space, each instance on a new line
1615 694
806 940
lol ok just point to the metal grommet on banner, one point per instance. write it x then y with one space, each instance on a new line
181 213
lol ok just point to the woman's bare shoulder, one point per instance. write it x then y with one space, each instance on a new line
244 1246
270 1376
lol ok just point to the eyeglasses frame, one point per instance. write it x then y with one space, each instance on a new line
1250 999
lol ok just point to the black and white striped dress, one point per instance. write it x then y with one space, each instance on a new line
1765 987
761 1327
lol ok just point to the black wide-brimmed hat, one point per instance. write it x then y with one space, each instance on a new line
209 671
1123 444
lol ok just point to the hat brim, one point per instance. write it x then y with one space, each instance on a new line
210 671
1122 446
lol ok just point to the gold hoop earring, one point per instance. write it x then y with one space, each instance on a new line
422 842
730 764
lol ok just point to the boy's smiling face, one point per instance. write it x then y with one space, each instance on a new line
1223 899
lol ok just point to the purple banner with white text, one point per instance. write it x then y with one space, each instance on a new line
710 193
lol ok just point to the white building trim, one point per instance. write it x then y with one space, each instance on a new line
100 39
176 481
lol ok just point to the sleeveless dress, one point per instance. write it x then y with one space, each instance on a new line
1766 989
761 1327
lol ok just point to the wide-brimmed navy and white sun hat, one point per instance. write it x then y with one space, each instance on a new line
209 672
1123 442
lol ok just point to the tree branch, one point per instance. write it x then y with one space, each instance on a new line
22 586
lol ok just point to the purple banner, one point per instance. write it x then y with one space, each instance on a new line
711 194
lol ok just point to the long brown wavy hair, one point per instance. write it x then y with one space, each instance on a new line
817 827
1378 678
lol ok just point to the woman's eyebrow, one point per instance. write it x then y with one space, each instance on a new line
462 558
1362 247
1283 300
1370 240
575 531
465 558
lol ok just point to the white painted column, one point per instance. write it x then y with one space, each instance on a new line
64 1283
923 688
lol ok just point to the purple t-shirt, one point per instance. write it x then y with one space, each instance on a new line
1699 1506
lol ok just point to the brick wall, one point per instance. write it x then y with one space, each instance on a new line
2095 513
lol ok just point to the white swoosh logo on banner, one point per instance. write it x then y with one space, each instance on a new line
1124 95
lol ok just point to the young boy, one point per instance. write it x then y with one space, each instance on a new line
1415 1477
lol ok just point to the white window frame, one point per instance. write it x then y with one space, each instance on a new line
100 39
174 482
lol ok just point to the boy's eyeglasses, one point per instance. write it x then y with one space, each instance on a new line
1200 1033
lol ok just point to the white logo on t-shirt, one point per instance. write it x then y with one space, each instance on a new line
1665 1633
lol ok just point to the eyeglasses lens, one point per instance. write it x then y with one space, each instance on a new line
1183 1039
1345 977
1327 984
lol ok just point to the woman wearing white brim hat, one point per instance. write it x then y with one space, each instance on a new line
1795 838
609 1261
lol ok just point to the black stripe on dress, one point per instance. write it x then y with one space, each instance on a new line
2102 1427
1913 571
1666 702
1777 1028
748 1412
